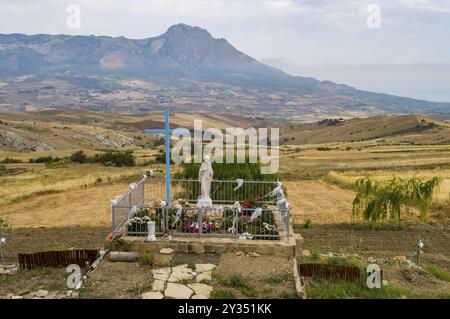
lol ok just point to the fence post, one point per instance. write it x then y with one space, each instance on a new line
200 221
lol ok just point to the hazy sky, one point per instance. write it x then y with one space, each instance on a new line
329 39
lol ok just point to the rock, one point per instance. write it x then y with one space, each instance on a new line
152 295
329 255
204 276
23 292
41 293
16 297
177 276
158 285
75 294
240 253
198 249
199 268
166 251
201 289
254 254
183 268
400 259
306 253
21 144
161 273
51 295
114 141
177 291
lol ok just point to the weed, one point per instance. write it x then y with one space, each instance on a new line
438 272
222 294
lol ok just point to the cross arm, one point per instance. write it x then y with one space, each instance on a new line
157 131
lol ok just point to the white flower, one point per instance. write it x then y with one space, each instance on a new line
3 240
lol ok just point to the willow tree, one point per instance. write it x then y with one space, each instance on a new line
377 201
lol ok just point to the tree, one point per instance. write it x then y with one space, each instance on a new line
79 157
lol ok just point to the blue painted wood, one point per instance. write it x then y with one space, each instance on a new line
167 133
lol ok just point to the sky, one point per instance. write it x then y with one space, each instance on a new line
403 49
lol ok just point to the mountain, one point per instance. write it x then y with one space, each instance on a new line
185 68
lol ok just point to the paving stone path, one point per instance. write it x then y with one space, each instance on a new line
181 282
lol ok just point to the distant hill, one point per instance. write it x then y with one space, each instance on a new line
185 68
80 129
404 128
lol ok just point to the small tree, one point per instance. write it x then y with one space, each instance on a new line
79 157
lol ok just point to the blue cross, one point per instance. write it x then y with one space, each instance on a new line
167 133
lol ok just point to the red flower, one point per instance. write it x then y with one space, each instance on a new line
247 204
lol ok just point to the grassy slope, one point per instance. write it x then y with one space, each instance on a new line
397 128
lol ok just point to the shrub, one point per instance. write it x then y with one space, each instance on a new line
222 294
79 157
116 158
45 159
376 201
307 223
438 272
10 161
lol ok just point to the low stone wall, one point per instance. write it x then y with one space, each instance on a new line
217 245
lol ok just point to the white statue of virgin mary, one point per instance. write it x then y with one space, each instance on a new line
205 176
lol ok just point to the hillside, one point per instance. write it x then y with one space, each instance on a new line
185 68
71 129
403 128
50 130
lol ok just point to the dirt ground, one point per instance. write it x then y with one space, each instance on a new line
30 240
321 202
117 280
89 207
265 276
362 240
242 276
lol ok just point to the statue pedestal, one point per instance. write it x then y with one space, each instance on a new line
204 203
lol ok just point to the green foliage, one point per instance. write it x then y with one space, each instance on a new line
279 278
4 227
139 289
228 171
438 272
323 149
289 295
377 201
222 294
119 244
45 159
79 157
116 158
146 259
307 223
10 161
238 282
